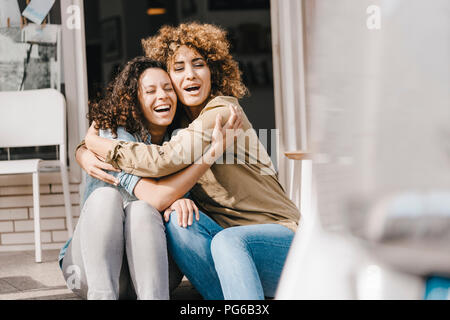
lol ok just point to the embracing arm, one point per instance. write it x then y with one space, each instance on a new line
158 161
163 192
95 167
158 193
166 194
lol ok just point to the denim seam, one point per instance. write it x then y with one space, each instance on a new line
277 244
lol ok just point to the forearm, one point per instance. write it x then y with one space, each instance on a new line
158 161
79 155
99 145
94 167
162 193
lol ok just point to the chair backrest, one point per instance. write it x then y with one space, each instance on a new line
32 118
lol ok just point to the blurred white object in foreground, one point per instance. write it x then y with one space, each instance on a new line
379 109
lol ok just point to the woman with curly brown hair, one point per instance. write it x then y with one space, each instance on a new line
238 247
119 249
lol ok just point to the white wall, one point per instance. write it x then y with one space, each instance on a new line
16 212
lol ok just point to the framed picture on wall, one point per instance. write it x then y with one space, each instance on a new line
111 34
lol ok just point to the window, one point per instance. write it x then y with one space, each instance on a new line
31 63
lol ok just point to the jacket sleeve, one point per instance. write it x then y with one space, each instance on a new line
183 149
126 180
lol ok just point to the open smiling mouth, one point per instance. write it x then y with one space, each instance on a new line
192 89
161 109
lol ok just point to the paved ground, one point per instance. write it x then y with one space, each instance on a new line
23 279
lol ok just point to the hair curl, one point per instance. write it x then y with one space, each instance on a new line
211 43
120 106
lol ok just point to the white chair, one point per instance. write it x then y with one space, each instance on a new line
35 118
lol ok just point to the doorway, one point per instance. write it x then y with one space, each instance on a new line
114 29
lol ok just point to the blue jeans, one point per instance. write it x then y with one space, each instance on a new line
243 262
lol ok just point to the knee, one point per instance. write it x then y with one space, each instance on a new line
173 220
226 242
104 201
174 230
140 213
180 234
104 196
174 225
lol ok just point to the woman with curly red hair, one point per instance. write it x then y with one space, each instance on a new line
237 249
119 249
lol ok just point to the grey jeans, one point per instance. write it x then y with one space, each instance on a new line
119 253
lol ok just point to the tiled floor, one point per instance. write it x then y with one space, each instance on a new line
21 278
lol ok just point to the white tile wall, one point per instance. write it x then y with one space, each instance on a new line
13 214
6 226
24 237
59 236
27 200
18 190
46 224
56 212
16 215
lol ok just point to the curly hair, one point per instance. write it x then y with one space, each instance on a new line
211 43
120 106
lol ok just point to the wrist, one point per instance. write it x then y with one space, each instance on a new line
88 141
79 154
210 156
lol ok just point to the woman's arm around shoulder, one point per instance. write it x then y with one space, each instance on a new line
157 161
